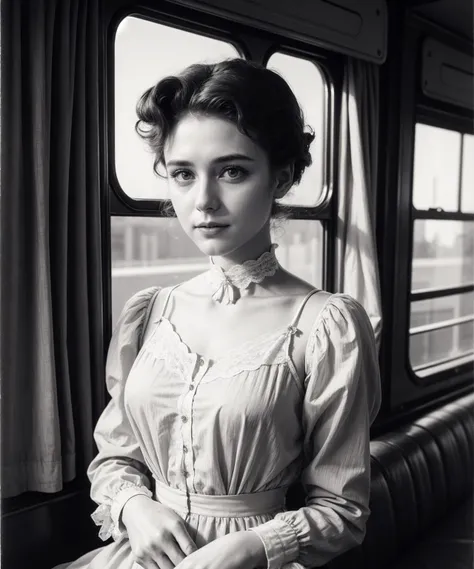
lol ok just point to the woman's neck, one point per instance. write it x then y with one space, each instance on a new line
228 285
250 251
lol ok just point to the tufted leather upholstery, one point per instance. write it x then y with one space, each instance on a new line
422 485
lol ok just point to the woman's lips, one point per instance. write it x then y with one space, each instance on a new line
211 229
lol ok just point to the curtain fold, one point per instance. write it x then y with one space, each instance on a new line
357 271
51 297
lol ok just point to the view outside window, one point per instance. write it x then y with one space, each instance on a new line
467 203
143 56
436 168
307 83
155 251
443 250
148 251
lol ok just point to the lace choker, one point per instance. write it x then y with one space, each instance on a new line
226 283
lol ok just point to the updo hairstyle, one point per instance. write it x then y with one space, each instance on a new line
258 101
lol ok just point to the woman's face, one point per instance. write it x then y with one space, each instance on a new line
221 187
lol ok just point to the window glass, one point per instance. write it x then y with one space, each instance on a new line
443 256
467 200
300 248
155 251
443 253
450 342
447 342
150 251
308 85
144 53
436 168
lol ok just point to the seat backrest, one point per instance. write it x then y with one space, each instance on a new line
419 472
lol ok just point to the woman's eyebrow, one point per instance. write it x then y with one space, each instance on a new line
219 160
230 157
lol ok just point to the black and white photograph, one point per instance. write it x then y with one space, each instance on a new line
237 284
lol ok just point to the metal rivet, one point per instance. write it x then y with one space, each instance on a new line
184 418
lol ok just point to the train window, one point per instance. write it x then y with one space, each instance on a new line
142 57
151 249
307 83
436 168
441 315
154 251
467 183
300 248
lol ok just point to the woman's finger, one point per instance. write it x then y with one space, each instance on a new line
148 564
175 553
163 562
184 540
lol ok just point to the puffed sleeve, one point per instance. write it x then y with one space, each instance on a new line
118 472
342 398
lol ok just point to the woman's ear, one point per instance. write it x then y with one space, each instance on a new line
284 181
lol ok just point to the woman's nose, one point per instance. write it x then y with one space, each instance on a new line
207 197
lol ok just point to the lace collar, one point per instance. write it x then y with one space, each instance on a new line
226 283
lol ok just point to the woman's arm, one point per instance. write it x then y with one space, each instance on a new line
342 397
118 472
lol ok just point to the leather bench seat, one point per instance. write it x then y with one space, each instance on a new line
448 546
421 497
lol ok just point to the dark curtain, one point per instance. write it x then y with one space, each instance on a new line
51 289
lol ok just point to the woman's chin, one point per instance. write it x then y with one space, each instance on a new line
214 248
214 245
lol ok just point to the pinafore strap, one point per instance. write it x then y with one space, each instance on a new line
302 305
293 322
165 305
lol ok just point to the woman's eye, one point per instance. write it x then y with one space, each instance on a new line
234 173
182 175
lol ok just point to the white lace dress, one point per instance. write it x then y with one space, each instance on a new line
195 433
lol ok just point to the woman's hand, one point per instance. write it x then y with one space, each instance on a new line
158 536
239 550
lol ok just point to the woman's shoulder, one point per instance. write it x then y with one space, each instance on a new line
334 308
139 303
165 292
338 319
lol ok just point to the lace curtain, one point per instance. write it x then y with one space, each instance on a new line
357 271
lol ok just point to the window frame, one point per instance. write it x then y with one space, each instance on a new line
404 390
251 46
433 116
255 45
121 203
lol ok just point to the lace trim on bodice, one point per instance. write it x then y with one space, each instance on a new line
268 349
166 344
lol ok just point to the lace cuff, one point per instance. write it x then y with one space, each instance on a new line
280 542
107 515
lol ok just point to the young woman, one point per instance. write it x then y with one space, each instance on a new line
231 386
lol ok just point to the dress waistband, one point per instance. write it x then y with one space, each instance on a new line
222 506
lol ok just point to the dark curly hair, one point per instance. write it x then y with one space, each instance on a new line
257 100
